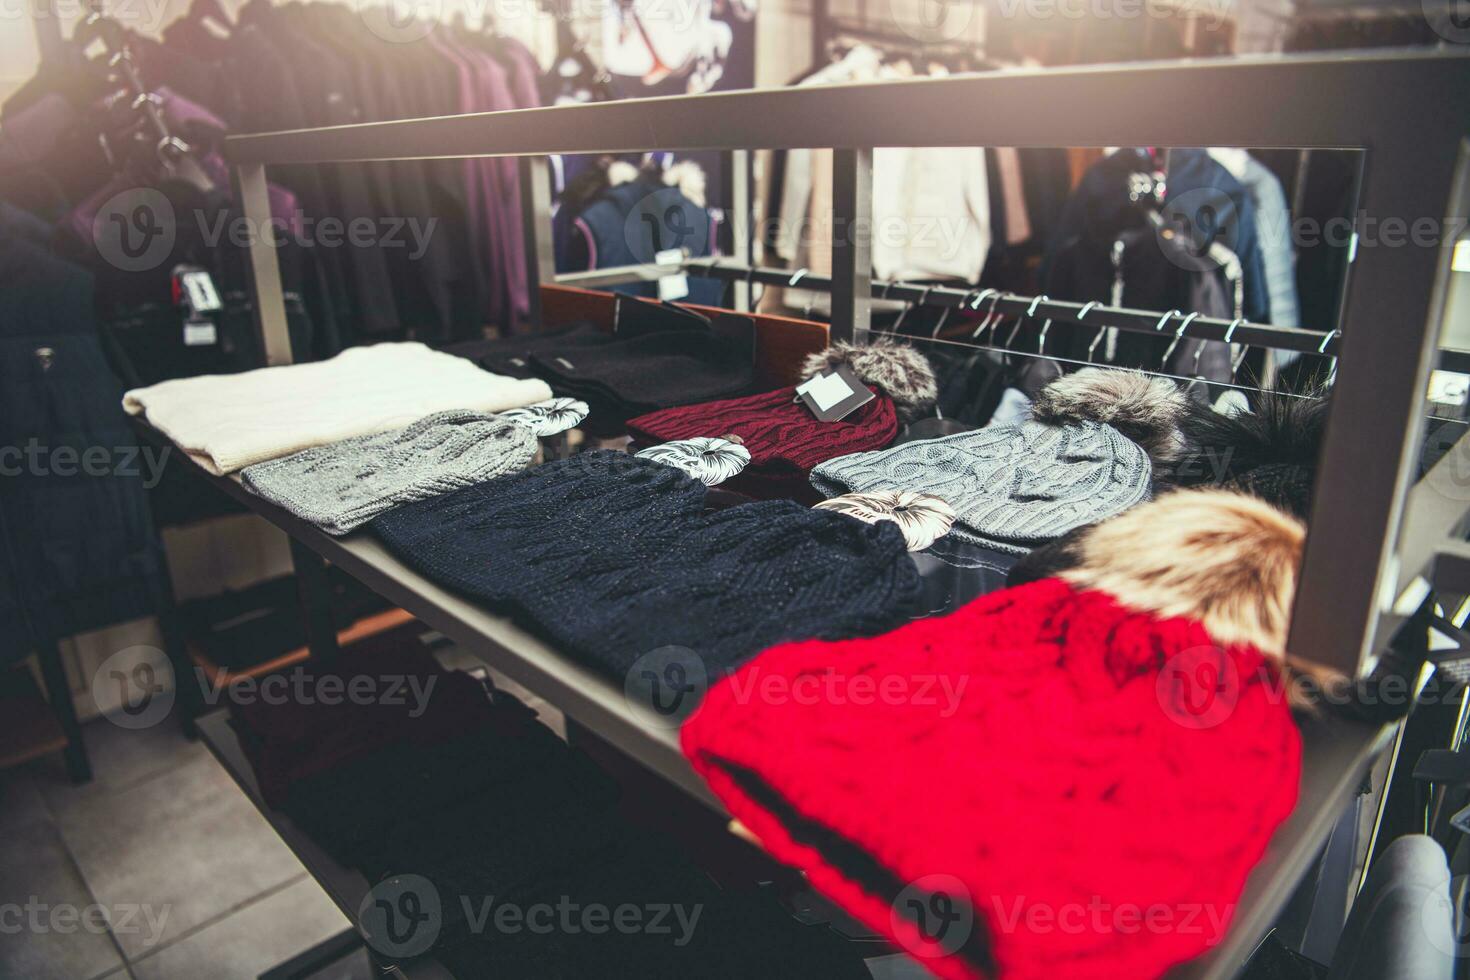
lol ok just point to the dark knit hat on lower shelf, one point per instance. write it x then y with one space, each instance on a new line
1136 701
1082 456
784 438
611 556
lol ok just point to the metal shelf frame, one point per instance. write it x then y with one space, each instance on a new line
1403 108
1398 106
1335 753
586 696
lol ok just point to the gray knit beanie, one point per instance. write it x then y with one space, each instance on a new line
1015 487
344 484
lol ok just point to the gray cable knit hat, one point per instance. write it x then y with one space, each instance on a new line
1015 487
344 484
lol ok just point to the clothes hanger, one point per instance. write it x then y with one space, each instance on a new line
1178 336
800 273
1244 348
944 315
990 293
1322 349
887 288
923 298
1194 368
1030 313
1045 329
992 318
1082 364
1101 331
96 27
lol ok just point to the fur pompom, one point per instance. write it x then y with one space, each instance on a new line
1271 452
1147 410
900 372
1224 559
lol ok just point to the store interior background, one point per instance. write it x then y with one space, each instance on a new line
161 823
234 552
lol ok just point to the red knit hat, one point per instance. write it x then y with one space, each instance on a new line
1068 779
784 438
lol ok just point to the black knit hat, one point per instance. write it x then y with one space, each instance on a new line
657 360
632 376
613 556
1270 452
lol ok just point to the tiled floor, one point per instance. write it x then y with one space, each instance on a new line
194 882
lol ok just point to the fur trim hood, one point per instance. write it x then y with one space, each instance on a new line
1147 410
1271 452
689 177
899 371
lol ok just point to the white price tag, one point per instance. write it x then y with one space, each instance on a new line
200 333
202 295
671 288
828 390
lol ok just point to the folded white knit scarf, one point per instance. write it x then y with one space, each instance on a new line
225 422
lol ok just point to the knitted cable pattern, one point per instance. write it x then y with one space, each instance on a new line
1013 487
611 556
781 433
341 486
1100 781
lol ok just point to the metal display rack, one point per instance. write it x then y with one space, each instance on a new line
1363 551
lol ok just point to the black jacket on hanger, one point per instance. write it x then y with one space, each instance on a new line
77 547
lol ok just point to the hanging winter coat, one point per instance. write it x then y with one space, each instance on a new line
630 224
77 547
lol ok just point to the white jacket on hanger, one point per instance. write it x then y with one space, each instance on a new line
931 205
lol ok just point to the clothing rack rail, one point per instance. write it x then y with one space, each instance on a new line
1375 529
1090 316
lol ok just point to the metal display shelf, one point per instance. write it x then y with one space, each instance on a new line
1360 554
1395 105
587 697
1336 753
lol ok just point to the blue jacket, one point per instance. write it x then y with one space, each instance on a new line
630 224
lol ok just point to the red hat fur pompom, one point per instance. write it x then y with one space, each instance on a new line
1072 778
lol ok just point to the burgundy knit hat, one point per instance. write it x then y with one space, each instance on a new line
1068 779
784 438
